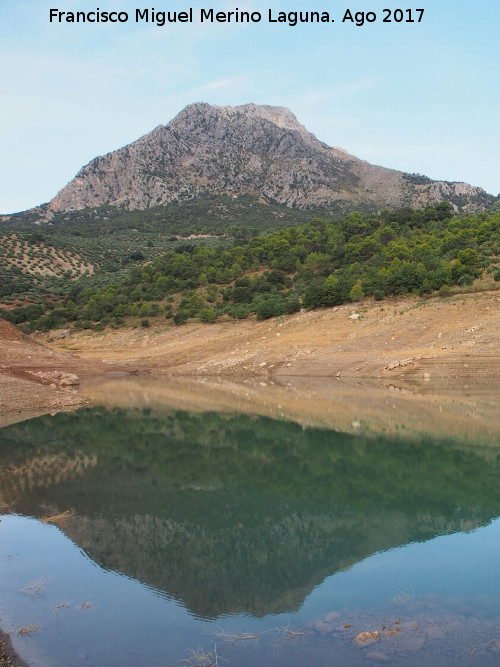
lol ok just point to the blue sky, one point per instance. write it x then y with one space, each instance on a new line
418 97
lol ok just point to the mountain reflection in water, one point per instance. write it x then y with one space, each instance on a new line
231 513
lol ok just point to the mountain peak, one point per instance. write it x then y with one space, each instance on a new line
280 116
252 149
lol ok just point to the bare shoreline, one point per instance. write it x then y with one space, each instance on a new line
455 337
454 341
8 656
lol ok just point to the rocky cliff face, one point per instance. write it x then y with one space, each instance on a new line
256 150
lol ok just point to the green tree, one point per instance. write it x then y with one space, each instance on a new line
356 293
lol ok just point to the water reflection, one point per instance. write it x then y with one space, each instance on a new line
438 408
237 514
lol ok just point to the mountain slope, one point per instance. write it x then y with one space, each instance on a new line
253 150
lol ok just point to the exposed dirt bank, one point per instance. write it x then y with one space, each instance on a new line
435 338
35 379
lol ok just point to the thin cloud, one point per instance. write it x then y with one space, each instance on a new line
219 84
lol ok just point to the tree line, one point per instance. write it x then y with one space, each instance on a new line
316 265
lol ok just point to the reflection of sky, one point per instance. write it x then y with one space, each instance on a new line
462 564
132 622
417 97
126 617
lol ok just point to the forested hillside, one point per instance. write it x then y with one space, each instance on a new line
38 263
319 264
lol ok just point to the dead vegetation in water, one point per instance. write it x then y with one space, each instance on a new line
28 630
36 588
243 638
202 658
85 605
284 636
493 646
59 605
210 658
403 595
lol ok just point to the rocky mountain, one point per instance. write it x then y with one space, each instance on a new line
253 150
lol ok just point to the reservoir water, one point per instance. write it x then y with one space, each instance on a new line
138 533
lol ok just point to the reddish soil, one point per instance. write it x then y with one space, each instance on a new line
33 378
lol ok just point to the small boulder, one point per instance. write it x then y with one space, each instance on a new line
69 380
367 638
58 334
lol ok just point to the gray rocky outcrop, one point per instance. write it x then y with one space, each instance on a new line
248 150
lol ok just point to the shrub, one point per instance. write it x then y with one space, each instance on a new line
269 308
445 290
292 306
356 293
207 315
180 318
466 279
